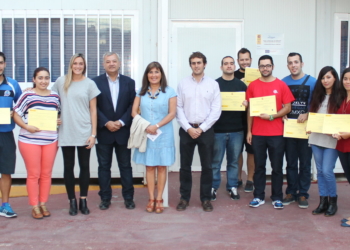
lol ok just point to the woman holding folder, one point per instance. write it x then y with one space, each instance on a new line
78 130
325 100
38 147
157 102
343 144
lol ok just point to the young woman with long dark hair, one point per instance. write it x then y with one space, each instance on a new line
325 100
38 147
343 144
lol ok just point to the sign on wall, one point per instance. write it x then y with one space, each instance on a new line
270 44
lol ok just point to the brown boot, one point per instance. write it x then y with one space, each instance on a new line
44 211
36 213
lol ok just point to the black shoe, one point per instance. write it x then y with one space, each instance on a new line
213 194
322 207
240 183
249 187
104 205
129 204
234 194
303 203
332 208
83 206
182 205
207 206
288 199
73 207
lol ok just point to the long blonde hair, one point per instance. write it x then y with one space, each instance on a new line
69 75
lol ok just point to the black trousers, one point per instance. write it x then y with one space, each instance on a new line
345 162
205 144
84 164
275 145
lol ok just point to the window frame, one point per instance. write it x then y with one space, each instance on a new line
62 14
338 18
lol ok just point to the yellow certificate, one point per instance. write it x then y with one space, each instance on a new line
43 119
336 123
232 101
315 123
263 105
5 116
250 75
293 129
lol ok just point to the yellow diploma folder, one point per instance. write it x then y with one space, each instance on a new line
250 75
43 119
263 105
232 101
5 116
293 129
335 123
315 123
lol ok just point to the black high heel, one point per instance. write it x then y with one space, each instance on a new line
73 207
83 206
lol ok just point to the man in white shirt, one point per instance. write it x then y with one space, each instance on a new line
198 108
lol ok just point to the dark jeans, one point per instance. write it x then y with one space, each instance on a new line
205 144
275 146
84 175
104 155
345 162
298 177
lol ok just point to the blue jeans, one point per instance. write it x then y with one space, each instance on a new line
104 156
232 143
298 156
325 159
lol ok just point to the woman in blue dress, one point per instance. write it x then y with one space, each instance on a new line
157 103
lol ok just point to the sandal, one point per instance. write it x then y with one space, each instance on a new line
150 206
36 213
44 211
159 206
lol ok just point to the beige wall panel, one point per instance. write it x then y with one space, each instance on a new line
204 9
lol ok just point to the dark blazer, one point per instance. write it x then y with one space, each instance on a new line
105 109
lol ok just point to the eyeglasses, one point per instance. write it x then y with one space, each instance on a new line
267 66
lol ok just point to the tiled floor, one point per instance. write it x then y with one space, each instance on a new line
232 224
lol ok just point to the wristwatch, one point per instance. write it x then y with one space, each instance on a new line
271 118
93 136
157 125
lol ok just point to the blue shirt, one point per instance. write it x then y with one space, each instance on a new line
302 95
10 91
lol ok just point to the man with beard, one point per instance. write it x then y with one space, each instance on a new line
244 60
298 178
228 133
10 91
266 133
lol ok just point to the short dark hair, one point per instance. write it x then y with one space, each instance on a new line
243 51
3 56
222 61
36 71
265 57
197 54
295 54
145 82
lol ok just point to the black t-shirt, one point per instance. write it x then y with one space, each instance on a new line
231 121
238 74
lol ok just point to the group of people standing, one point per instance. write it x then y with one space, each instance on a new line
107 108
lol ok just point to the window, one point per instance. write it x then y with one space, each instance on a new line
31 39
341 42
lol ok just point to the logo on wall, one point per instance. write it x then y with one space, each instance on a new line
7 93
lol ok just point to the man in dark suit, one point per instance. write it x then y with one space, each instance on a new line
114 120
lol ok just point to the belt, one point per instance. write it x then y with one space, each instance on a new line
195 125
